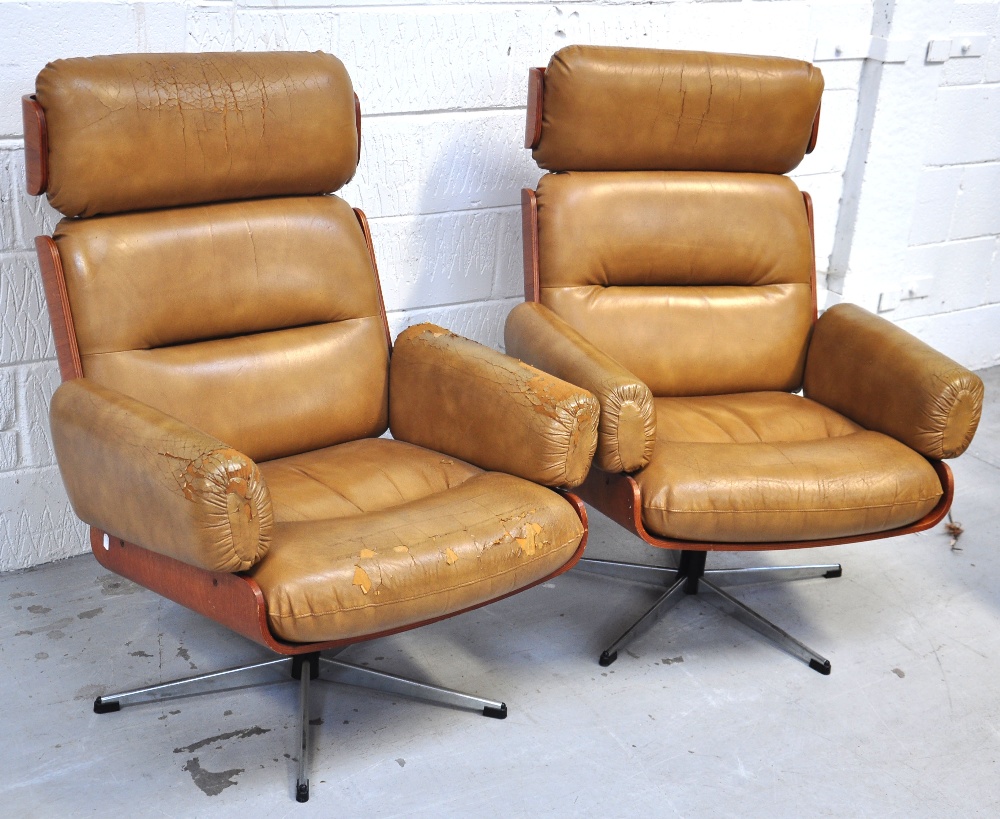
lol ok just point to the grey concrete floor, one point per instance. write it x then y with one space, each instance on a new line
701 717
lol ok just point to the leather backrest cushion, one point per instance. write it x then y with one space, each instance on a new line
137 131
698 283
608 108
256 322
143 280
680 228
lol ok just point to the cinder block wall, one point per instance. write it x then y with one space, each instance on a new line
442 86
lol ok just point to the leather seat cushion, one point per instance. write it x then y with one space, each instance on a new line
771 467
377 535
362 476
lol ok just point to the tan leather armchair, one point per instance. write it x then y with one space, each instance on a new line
228 373
670 270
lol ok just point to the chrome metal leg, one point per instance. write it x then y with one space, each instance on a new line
659 575
349 674
782 639
114 702
771 574
302 781
663 604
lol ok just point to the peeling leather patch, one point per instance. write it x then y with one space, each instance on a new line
362 580
450 557
527 543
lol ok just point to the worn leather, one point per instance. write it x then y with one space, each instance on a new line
145 477
607 108
428 557
216 271
627 429
772 467
883 378
698 283
455 396
218 334
132 132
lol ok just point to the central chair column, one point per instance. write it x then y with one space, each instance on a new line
692 568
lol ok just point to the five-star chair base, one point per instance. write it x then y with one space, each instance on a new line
305 668
690 577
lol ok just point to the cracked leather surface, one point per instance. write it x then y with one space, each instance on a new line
696 282
152 480
608 109
453 395
627 429
372 535
138 131
771 467
885 379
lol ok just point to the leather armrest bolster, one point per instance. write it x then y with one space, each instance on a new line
152 480
452 395
627 430
884 379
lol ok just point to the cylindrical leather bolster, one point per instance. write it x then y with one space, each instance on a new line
607 108
152 480
140 131
455 396
881 377
627 430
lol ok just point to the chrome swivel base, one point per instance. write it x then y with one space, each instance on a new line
690 577
304 668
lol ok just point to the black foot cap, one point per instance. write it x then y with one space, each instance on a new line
607 659
496 713
106 706
822 667
834 572
301 791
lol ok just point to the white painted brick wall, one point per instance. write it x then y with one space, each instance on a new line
442 85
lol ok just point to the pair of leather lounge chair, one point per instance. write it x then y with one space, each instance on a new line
228 372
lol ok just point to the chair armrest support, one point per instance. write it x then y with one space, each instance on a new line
627 430
452 395
150 479
884 379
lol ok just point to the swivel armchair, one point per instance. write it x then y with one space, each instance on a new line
227 376
670 270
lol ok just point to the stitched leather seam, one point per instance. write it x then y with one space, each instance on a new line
618 449
421 596
785 511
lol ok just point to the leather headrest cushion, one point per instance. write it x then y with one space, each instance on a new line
615 109
139 131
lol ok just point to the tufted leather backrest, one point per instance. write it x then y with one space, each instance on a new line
256 320
668 237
